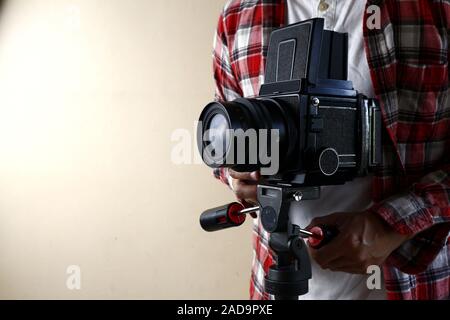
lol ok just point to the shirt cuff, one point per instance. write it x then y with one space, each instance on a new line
408 214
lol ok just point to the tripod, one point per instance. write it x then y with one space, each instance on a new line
288 277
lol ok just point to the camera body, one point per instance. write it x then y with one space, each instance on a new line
328 133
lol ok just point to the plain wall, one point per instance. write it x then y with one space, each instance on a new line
90 94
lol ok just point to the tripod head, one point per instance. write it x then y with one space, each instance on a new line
288 277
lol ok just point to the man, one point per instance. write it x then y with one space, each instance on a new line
400 217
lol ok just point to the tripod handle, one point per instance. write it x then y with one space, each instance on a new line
223 217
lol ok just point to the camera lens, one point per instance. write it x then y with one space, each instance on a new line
236 134
219 133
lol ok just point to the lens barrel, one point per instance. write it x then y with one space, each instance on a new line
239 133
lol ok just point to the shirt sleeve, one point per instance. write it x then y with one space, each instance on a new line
226 85
423 211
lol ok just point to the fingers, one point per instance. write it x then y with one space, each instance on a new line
342 254
246 176
354 263
244 191
328 253
244 185
349 251
250 203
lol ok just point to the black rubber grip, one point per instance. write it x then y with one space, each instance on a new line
223 217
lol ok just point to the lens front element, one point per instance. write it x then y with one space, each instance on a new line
218 134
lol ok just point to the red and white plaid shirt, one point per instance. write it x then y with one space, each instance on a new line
408 60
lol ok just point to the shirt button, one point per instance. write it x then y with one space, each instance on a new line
323 6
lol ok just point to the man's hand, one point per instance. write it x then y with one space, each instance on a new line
364 239
244 184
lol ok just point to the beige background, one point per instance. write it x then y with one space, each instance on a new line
90 93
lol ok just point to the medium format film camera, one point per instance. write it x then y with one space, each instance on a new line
327 134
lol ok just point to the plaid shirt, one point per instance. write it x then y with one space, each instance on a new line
408 60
